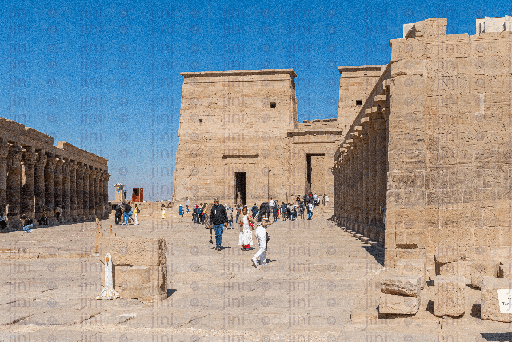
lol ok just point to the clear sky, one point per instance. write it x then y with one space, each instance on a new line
105 75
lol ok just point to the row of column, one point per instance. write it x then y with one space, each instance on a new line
36 182
361 177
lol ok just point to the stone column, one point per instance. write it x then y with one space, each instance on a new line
39 186
80 191
365 138
372 167
49 173
57 181
359 182
94 196
66 200
380 128
97 191
85 200
14 185
72 189
28 160
105 194
351 188
4 151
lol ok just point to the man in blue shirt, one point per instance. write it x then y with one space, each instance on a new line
254 210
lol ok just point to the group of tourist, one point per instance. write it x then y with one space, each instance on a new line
127 213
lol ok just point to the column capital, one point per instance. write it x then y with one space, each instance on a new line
14 153
4 148
28 156
41 158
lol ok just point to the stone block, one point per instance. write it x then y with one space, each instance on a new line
142 282
490 308
449 298
405 285
393 304
457 268
412 267
481 268
135 251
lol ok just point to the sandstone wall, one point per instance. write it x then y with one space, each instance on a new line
245 121
449 188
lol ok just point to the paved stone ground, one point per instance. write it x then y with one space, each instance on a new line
321 285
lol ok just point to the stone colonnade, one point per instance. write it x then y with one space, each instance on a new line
36 179
361 174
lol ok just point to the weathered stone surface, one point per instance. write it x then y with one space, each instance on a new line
490 308
412 267
481 269
393 304
405 285
135 251
449 297
142 282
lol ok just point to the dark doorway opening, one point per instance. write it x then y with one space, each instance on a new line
309 171
240 187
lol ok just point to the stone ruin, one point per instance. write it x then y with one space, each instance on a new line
139 266
240 140
421 163
36 176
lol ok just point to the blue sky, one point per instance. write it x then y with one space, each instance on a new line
105 76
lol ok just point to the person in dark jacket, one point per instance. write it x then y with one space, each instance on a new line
119 213
218 219
254 210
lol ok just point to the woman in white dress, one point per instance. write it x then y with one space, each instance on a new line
246 227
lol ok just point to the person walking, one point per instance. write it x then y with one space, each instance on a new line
229 211
119 213
275 212
301 211
315 199
254 210
261 236
245 236
238 212
163 212
219 220
136 212
180 210
310 210
188 204
126 213
283 211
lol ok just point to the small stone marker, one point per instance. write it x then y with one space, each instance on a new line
108 291
98 237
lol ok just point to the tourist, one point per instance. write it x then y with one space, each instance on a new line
218 219
271 203
136 212
3 221
283 211
58 213
315 199
200 213
275 212
261 236
119 213
238 212
27 223
301 211
163 212
188 203
126 213
245 236
44 218
229 211
297 199
326 200
254 210
310 210
294 212
180 210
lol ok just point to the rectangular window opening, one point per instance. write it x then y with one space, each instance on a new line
272 105
359 102
200 120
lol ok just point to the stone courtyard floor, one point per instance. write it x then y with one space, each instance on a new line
321 285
